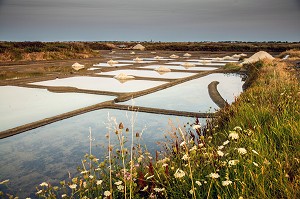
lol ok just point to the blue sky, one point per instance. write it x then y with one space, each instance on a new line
157 20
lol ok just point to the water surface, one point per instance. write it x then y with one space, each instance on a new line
19 106
176 67
48 153
102 84
149 73
193 95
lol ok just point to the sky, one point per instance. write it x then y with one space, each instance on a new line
145 20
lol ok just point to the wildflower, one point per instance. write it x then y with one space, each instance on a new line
226 183
266 162
118 183
220 153
44 184
185 157
242 151
145 188
201 145
84 184
182 143
120 187
198 183
213 175
64 195
158 189
91 177
226 142
84 172
255 164
107 193
221 147
179 173
255 152
73 186
196 126
99 182
233 135
39 192
191 191
4 181
233 162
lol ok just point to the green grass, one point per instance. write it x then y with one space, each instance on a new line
250 151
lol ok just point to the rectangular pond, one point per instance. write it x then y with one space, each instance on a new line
107 65
158 59
149 73
213 60
19 106
197 63
102 84
177 67
136 62
48 153
192 95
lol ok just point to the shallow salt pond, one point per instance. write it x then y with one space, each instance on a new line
136 62
19 106
197 63
102 84
213 60
107 65
192 95
176 67
48 153
158 59
148 73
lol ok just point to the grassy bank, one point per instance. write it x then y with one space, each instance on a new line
250 151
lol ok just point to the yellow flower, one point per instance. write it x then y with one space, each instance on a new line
233 162
233 135
198 183
242 151
220 153
99 182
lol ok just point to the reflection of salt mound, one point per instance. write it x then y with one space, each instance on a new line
112 62
123 76
138 60
132 53
77 66
187 64
158 57
258 56
227 57
112 52
162 69
187 55
174 56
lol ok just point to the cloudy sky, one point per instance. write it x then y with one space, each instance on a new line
157 20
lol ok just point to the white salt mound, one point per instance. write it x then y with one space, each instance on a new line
205 61
174 56
236 56
227 57
258 56
112 62
138 60
158 57
77 66
132 52
153 52
187 55
123 76
162 69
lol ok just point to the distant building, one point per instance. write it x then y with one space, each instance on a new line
138 47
